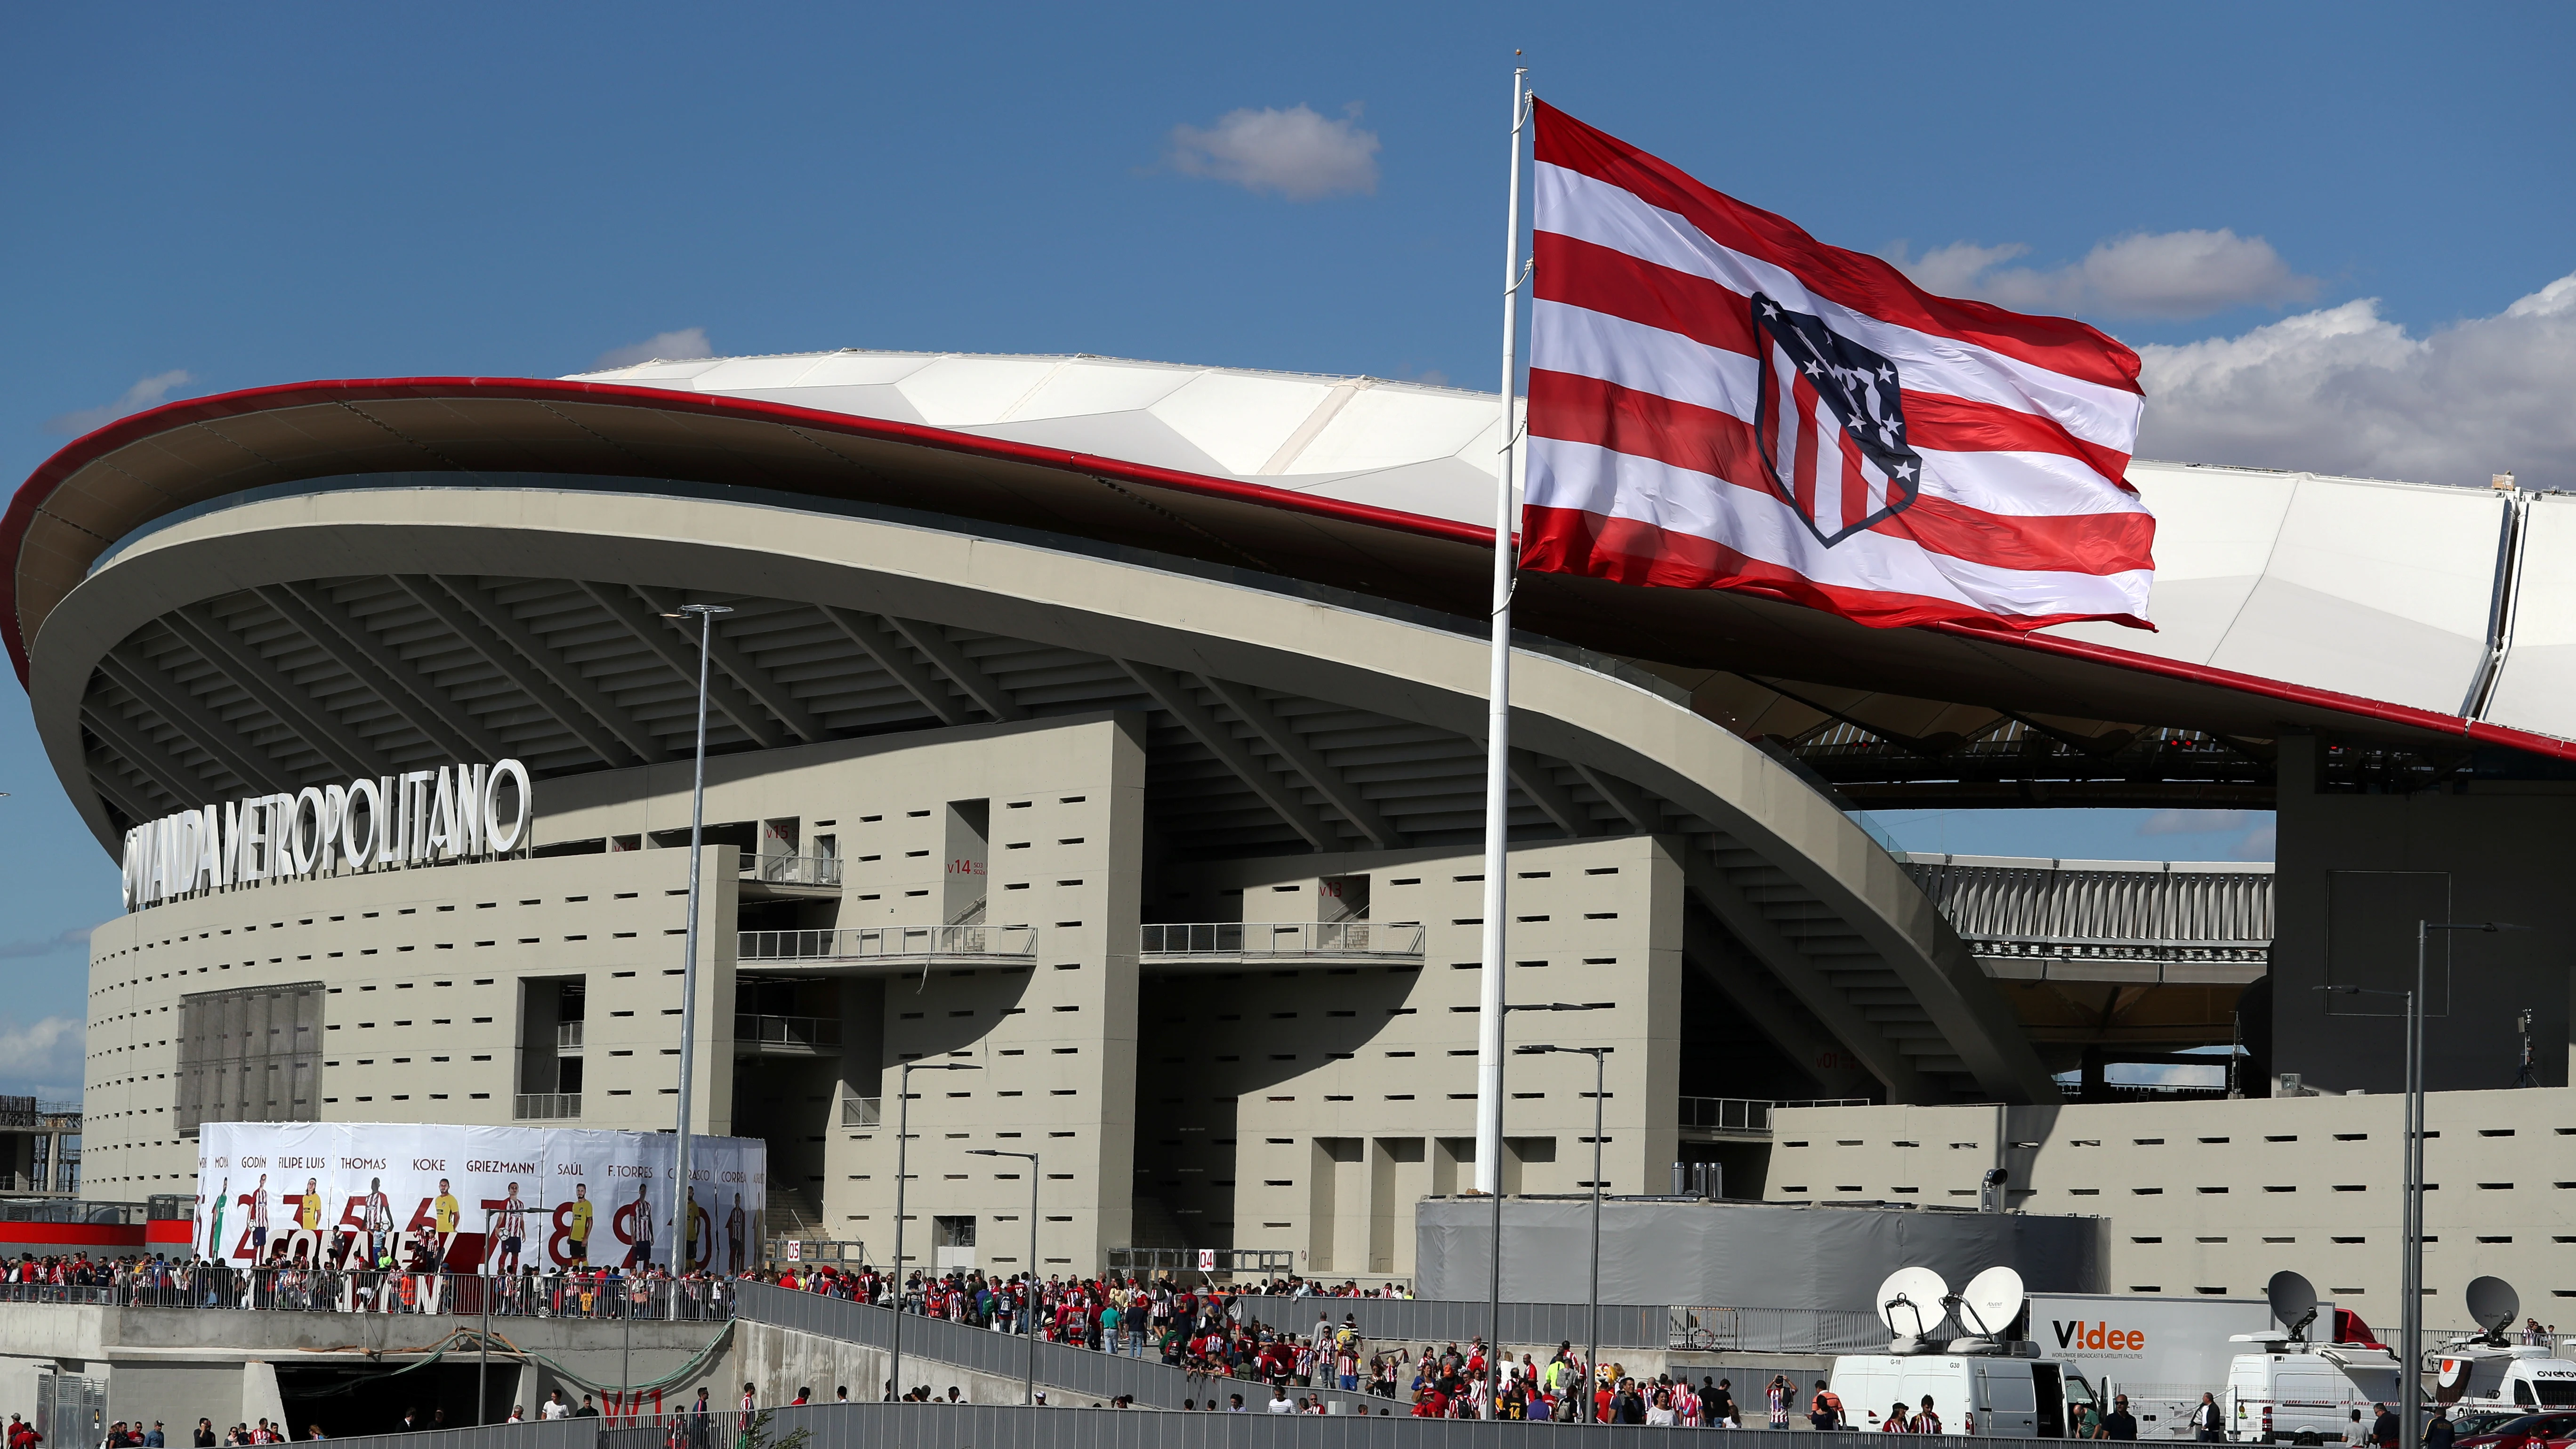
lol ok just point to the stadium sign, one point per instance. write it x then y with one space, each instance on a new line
419 817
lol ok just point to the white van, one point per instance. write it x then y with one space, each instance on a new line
2520 1376
2000 1397
2297 1394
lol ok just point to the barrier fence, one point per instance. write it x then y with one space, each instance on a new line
1774 1330
326 1290
1417 1321
998 1426
1088 1374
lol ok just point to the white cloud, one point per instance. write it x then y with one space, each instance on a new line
44 1057
2144 274
147 392
666 346
1296 153
2195 822
2257 845
2345 390
45 945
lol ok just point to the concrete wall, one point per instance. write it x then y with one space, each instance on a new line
421 1016
1309 1106
2213 1197
2356 872
178 1364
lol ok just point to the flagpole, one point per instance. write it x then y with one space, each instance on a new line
1498 805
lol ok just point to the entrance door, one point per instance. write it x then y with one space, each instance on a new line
2051 1394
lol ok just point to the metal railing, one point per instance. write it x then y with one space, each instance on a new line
1257 1263
805 870
205 1286
545 1106
69 1210
1096 1375
1363 939
791 1033
1419 1321
1750 1116
879 943
862 1111
818 1250
567 1034
1773 1330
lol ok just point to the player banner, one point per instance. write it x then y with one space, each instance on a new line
413 1194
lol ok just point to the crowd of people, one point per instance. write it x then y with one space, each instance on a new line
159 1281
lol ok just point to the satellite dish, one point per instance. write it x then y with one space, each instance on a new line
2493 1303
1991 1301
2294 1303
1909 1303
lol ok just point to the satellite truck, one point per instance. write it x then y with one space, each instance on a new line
2283 1389
2163 1352
1982 1383
2486 1371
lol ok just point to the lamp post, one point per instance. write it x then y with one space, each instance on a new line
1030 1316
1494 1338
680 1212
1592 1295
2410 1233
902 1146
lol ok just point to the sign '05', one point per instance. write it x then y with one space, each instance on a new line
416 818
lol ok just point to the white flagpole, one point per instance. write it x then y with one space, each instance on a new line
1491 1010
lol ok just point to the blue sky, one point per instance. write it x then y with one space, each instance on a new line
211 199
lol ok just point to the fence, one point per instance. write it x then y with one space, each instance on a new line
71 1410
808 1033
1416 1321
327 1290
999 1426
1086 1373
545 1106
1774 1330
886 942
1197 1265
804 870
1281 938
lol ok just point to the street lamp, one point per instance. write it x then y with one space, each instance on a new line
1494 1339
1031 1315
902 1147
2410 1333
680 1210
1592 1298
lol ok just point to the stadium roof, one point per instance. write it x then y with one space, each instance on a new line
2409 616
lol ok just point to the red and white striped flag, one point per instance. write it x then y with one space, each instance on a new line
1718 400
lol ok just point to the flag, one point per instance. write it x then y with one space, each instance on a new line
1718 400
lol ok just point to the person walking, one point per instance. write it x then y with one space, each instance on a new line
2384 1429
2120 1423
2208 1425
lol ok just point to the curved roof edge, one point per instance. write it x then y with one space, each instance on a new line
32 498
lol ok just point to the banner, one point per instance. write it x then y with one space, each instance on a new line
471 1199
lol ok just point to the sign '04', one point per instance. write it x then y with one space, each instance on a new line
416 818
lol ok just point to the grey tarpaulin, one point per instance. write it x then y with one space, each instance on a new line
1756 1254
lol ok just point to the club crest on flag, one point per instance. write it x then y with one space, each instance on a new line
1830 423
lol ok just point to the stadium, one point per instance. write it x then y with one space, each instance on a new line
1113 730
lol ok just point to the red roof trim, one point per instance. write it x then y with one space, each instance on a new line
81 452
2353 704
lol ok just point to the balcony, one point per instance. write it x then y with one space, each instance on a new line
1741 1119
792 875
1237 943
862 1111
545 1106
791 1036
884 950
568 1036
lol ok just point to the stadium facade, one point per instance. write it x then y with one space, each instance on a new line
1114 730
